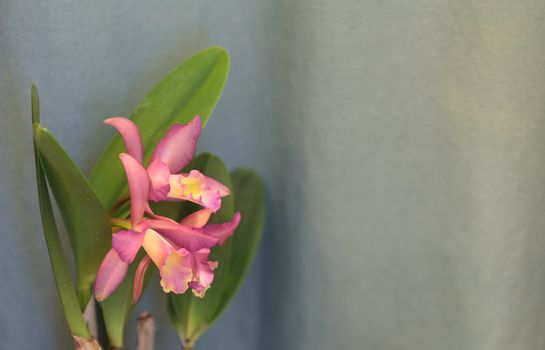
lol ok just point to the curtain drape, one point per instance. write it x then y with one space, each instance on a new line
401 144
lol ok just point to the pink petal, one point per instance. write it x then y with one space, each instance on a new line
127 243
197 219
222 231
159 175
203 272
157 248
212 193
216 186
177 272
130 134
183 236
196 187
178 146
110 274
139 185
139 278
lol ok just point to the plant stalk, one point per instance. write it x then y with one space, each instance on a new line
145 329
86 344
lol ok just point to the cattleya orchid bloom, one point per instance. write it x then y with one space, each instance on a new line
179 250
172 154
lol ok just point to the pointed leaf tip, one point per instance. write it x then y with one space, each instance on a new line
35 104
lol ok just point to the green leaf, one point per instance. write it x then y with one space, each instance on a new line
35 104
61 272
193 88
175 319
191 315
65 287
86 221
249 196
118 306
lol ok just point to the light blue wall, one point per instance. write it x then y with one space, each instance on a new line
400 141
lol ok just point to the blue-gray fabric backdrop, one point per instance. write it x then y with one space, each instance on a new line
401 144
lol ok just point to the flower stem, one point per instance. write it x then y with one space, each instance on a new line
187 344
145 329
85 344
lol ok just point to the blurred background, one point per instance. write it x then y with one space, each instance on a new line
401 143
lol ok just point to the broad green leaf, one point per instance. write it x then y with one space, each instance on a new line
192 315
117 308
249 196
86 220
193 88
61 272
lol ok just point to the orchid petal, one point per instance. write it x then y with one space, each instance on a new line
222 231
159 175
216 186
197 219
127 243
131 135
196 187
178 146
139 185
177 271
157 247
139 278
203 272
110 274
183 236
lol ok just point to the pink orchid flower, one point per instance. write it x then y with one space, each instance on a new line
179 250
171 155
